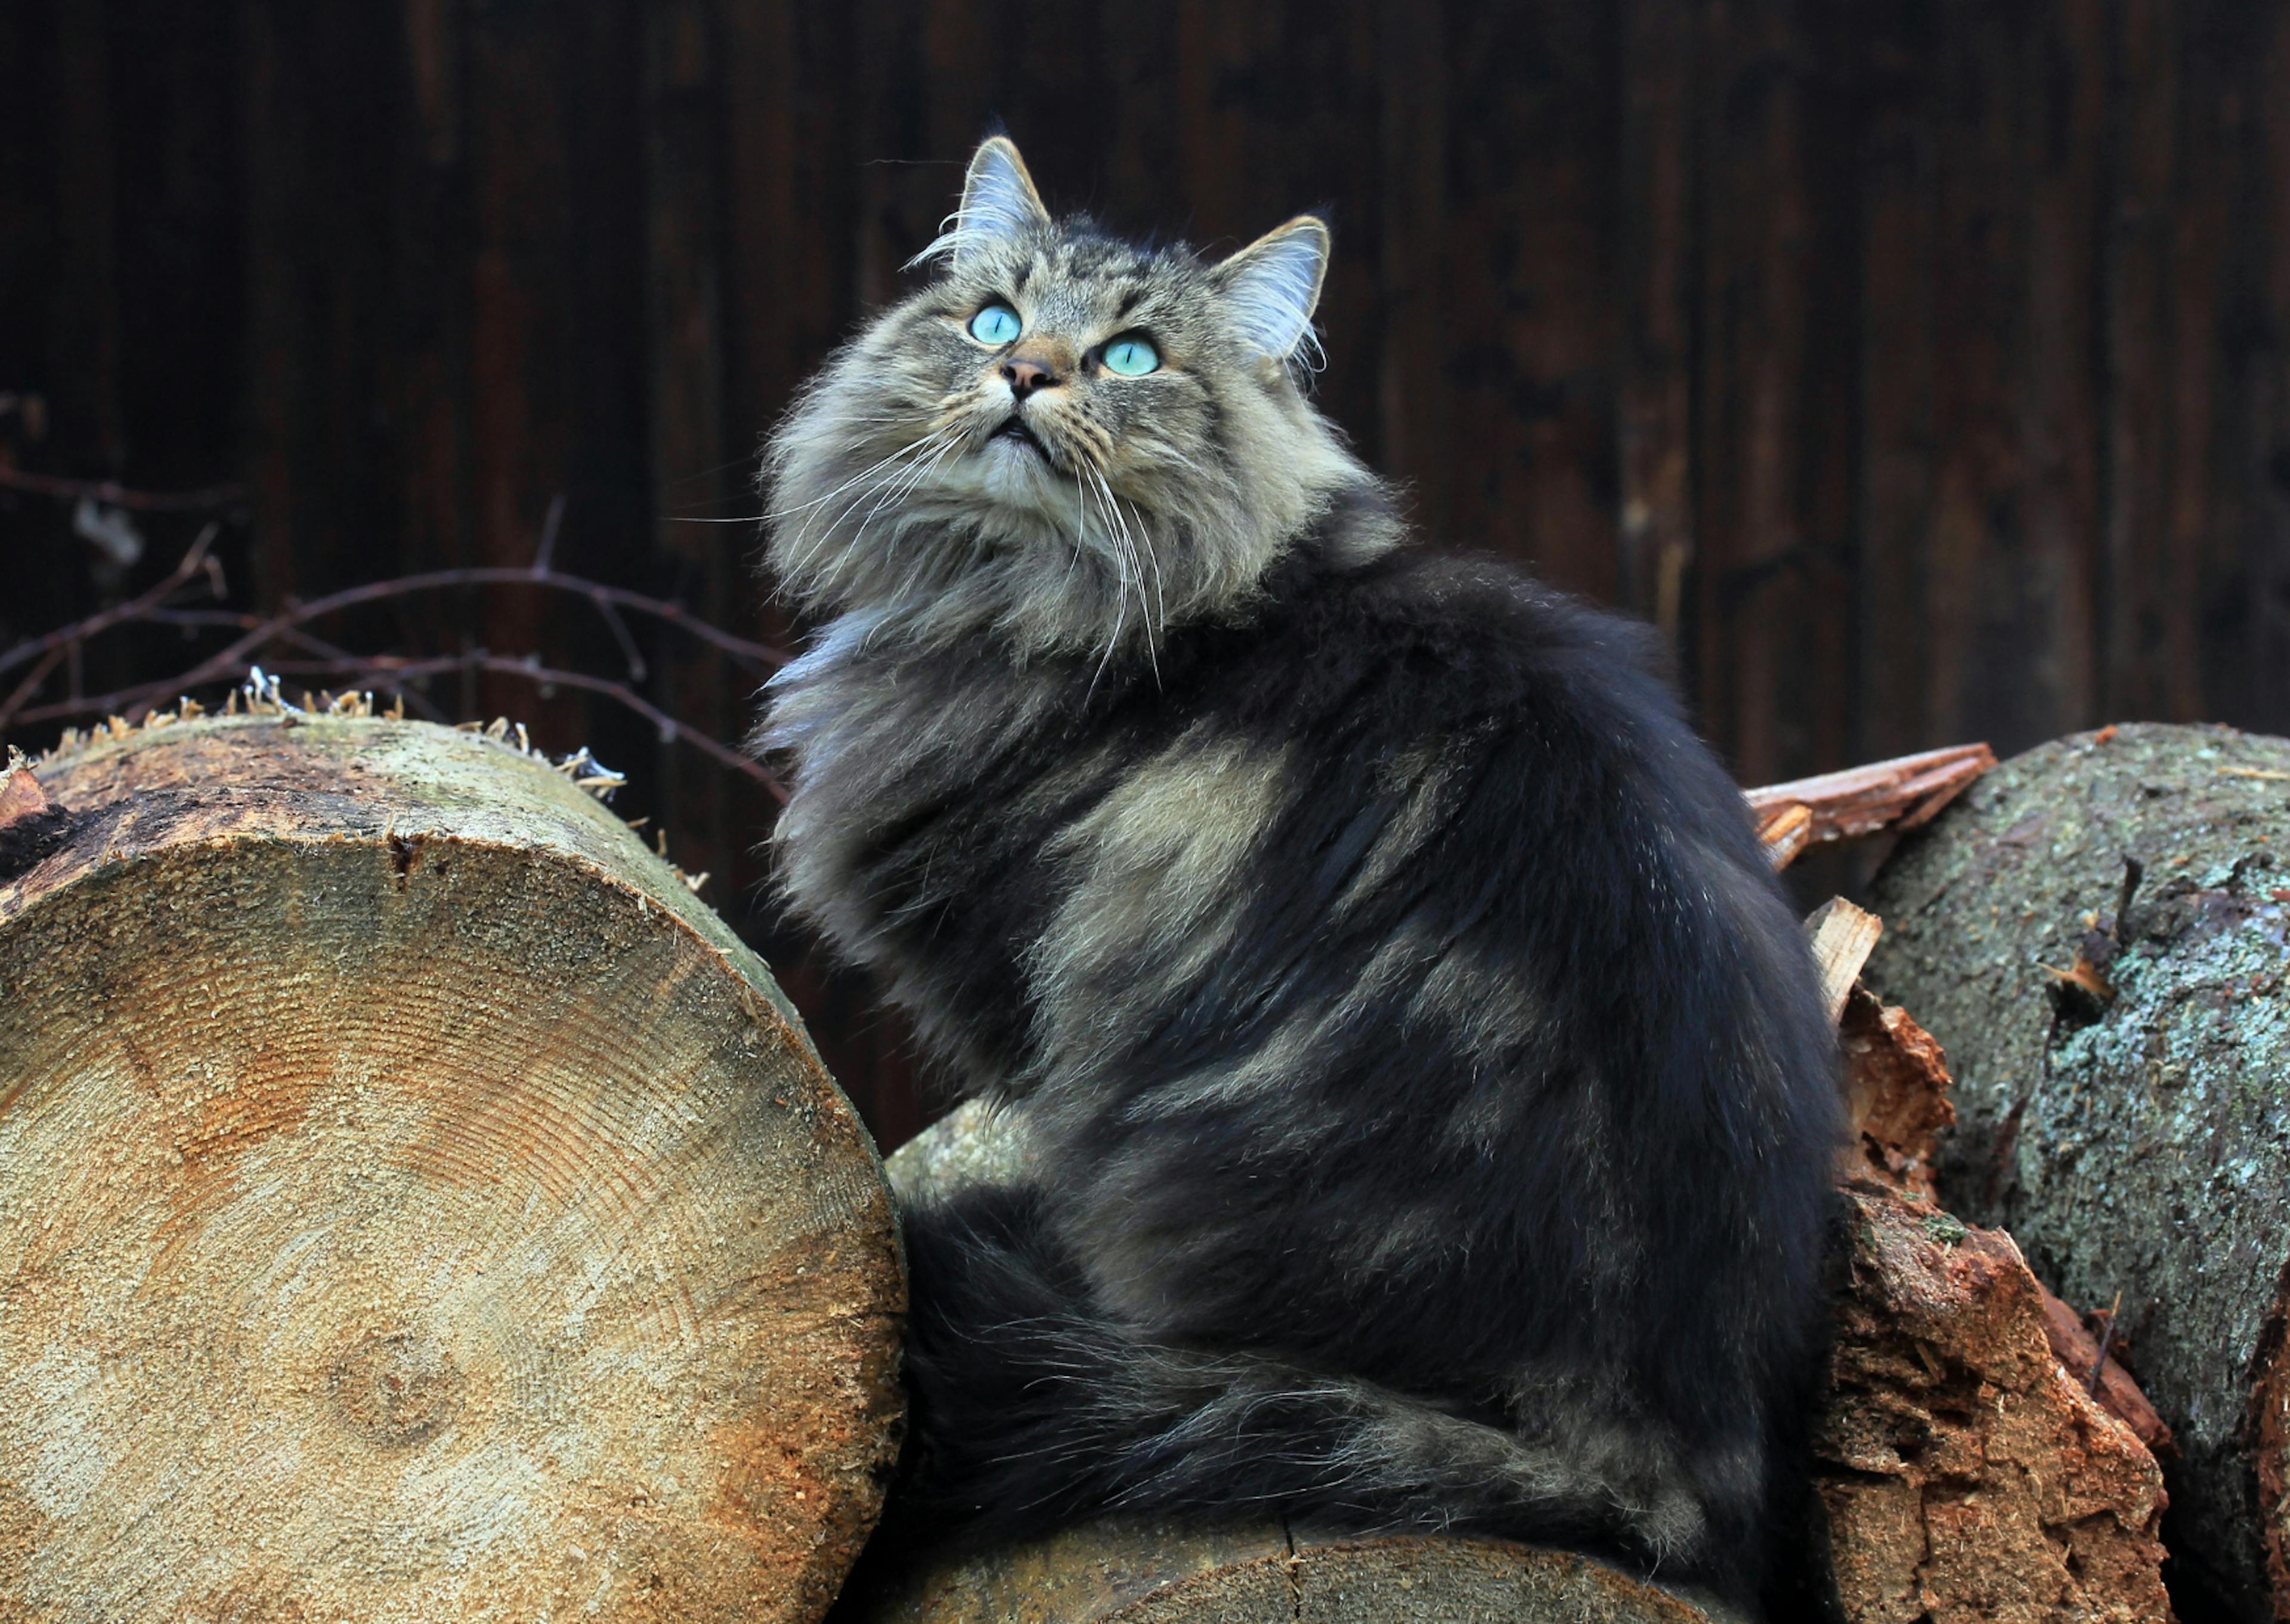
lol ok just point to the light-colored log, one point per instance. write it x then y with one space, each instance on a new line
414 1205
1120 1573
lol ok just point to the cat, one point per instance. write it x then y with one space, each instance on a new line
1434 1097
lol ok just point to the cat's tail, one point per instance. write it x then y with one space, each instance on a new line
1033 1410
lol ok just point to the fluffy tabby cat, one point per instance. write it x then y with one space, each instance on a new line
1435 1096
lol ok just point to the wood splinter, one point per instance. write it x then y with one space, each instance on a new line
1901 794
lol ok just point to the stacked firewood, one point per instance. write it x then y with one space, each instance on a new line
414 1204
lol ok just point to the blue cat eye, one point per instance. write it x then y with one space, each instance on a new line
1132 357
996 325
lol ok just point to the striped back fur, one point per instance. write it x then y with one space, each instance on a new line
1435 1100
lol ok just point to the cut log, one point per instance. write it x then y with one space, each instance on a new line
2121 1082
414 1205
1146 1573
1119 1572
1966 1478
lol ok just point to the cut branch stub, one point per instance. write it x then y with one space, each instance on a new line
413 1205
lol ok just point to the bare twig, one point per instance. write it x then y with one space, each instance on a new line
117 495
52 648
260 632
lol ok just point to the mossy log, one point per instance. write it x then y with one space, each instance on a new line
414 1205
1139 1572
2124 1084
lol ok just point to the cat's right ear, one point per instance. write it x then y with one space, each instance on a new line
999 204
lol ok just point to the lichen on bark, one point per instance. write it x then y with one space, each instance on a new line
2138 1141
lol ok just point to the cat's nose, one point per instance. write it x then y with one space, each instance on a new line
1024 377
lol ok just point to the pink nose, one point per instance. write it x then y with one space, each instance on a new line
1024 377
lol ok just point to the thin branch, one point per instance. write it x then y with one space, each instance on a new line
260 632
117 495
51 648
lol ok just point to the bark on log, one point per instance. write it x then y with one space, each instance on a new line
413 1205
1139 1573
1968 1480
2120 1088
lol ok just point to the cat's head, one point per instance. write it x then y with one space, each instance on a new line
1066 441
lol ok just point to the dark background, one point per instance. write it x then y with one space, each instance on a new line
1920 367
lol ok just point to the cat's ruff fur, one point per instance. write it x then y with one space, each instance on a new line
1434 1098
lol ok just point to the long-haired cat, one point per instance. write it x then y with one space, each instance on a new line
1434 1100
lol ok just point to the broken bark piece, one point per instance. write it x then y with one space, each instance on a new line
2134 1144
31 823
1785 830
414 1204
1896 1086
1966 1478
2077 1351
1903 793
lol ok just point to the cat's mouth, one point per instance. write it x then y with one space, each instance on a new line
1015 429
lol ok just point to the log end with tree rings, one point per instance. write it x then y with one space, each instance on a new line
414 1205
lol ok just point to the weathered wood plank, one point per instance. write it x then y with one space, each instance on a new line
1416 412
1754 551
1901 341
1656 244
692 449
1534 327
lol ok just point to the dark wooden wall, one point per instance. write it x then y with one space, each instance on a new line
1923 366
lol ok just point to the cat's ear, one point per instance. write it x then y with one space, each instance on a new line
1274 285
999 204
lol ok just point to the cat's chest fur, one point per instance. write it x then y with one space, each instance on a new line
927 829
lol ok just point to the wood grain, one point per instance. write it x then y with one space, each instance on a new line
414 1205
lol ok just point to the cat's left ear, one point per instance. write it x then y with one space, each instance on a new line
1274 285
999 205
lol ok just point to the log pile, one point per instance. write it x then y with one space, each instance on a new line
414 1205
